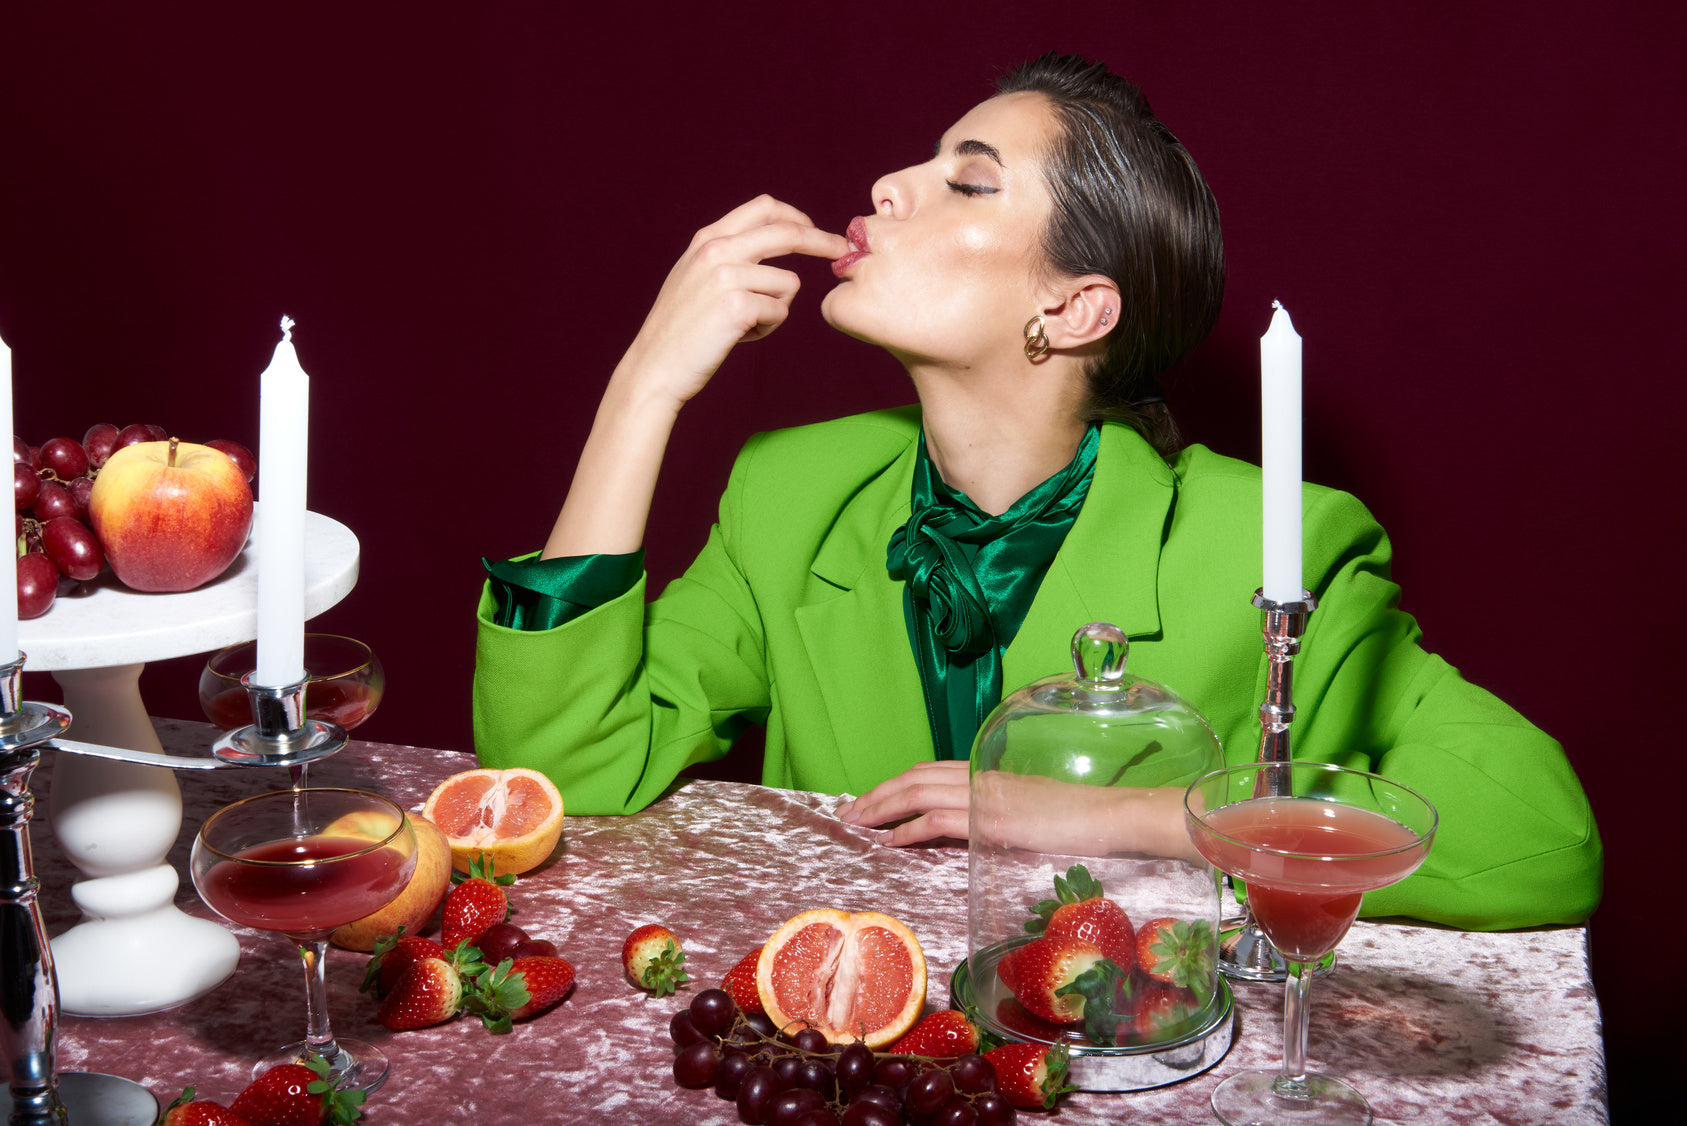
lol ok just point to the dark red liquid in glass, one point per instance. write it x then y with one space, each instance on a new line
302 899
344 703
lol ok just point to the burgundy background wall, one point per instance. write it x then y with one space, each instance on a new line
1473 215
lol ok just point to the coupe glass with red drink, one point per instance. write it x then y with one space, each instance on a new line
1309 839
344 686
303 862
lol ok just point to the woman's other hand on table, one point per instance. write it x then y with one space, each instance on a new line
932 797
933 800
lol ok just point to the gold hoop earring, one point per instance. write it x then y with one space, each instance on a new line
1036 339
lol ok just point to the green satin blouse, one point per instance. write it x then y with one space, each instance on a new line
969 579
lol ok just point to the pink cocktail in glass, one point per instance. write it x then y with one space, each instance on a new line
1309 839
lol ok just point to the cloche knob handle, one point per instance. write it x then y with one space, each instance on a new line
1099 650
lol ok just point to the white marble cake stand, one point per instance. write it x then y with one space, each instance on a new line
134 951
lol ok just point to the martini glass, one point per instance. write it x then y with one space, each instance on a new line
303 862
1310 839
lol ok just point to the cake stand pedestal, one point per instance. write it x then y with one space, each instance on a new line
135 951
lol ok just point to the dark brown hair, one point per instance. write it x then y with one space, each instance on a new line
1130 205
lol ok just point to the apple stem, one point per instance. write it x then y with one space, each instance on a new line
170 462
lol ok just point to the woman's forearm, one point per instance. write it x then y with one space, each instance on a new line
608 502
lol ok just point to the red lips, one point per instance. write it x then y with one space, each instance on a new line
856 233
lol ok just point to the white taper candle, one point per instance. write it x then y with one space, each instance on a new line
1280 456
283 442
9 581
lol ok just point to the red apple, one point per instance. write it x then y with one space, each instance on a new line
171 515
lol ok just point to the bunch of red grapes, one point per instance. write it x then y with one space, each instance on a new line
51 483
803 1080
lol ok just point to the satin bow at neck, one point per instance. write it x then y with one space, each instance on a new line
970 580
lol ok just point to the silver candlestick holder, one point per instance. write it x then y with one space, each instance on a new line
1244 952
280 733
29 1004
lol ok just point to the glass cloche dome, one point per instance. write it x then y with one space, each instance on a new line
1083 878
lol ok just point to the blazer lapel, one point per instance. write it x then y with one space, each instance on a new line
1108 568
856 639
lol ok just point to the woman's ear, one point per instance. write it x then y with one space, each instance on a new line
1084 311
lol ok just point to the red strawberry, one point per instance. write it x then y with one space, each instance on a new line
1178 952
653 959
188 1111
548 979
1032 1076
392 956
1161 1011
293 1094
946 1035
428 992
522 989
1101 922
740 982
473 905
1080 911
1064 980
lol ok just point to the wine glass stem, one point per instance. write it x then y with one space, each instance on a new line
1296 987
319 1037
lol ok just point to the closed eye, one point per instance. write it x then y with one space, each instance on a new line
970 189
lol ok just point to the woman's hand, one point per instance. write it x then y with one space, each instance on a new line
1025 812
722 292
932 794
719 293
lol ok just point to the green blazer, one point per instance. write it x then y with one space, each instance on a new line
788 619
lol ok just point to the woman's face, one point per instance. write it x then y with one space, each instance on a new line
949 267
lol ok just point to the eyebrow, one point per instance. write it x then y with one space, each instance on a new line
974 148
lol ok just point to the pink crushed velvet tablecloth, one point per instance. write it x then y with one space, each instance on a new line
1433 1025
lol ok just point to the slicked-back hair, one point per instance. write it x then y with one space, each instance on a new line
1130 205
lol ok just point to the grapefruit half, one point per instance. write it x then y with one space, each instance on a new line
853 976
513 817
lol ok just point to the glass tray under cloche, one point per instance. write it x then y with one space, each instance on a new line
1121 1068
1077 845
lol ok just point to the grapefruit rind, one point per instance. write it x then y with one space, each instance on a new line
513 817
852 976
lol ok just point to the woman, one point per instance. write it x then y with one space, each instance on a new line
873 583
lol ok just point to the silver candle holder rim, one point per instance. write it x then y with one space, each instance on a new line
280 733
24 723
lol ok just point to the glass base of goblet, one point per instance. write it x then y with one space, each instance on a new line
1258 1098
356 1064
1245 954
